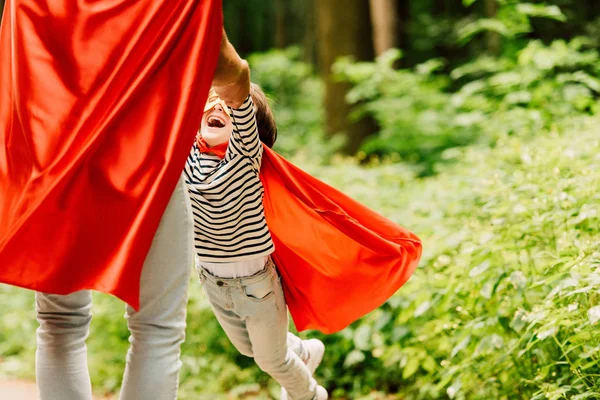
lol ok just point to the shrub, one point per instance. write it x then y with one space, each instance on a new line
422 112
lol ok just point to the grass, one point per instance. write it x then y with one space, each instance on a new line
505 304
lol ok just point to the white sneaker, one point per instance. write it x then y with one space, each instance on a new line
321 393
315 349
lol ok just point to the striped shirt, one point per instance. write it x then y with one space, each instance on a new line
227 194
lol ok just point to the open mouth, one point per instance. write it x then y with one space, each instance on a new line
215 122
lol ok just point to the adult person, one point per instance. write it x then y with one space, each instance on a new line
98 109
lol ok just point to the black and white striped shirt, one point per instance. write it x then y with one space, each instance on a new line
227 194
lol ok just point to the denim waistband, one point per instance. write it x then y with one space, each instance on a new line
206 276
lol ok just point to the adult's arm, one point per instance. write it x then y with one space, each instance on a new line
232 76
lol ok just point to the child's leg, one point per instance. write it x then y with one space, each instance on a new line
234 326
267 326
253 314
295 344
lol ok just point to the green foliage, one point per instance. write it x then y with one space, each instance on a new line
297 100
505 304
513 19
422 112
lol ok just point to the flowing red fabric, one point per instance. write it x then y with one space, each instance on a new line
338 259
100 102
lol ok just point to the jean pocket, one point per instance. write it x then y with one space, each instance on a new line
260 291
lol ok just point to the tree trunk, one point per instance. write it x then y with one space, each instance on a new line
309 41
493 38
343 28
280 23
385 22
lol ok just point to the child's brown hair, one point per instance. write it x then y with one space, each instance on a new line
265 121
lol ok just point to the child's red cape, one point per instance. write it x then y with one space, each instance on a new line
338 259
100 102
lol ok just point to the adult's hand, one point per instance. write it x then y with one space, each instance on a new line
232 76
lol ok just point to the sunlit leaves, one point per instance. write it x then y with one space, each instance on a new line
541 11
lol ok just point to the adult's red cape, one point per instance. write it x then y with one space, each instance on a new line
99 104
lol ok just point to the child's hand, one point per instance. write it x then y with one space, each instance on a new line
235 93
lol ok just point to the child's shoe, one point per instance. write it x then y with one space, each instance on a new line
321 393
316 350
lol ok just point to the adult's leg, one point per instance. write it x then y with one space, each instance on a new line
158 328
61 356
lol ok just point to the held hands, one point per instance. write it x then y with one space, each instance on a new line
232 76
236 89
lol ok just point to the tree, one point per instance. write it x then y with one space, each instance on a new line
385 22
343 29
280 24
493 38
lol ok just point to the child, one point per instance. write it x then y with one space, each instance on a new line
233 243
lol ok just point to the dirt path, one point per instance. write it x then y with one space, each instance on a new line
18 390
24 390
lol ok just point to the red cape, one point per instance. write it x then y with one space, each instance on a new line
99 105
338 259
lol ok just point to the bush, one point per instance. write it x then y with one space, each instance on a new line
422 112
298 101
506 303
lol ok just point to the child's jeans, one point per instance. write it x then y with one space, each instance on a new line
253 313
157 329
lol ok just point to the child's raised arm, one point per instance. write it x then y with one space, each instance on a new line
244 138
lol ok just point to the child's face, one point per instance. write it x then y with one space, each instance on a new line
216 124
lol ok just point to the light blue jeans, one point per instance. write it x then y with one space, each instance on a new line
157 329
253 314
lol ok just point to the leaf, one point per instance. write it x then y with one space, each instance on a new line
362 337
412 366
594 315
429 365
453 390
463 344
479 269
466 33
389 57
581 77
422 308
353 358
518 322
518 279
586 395
547 333
541 11
430 66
